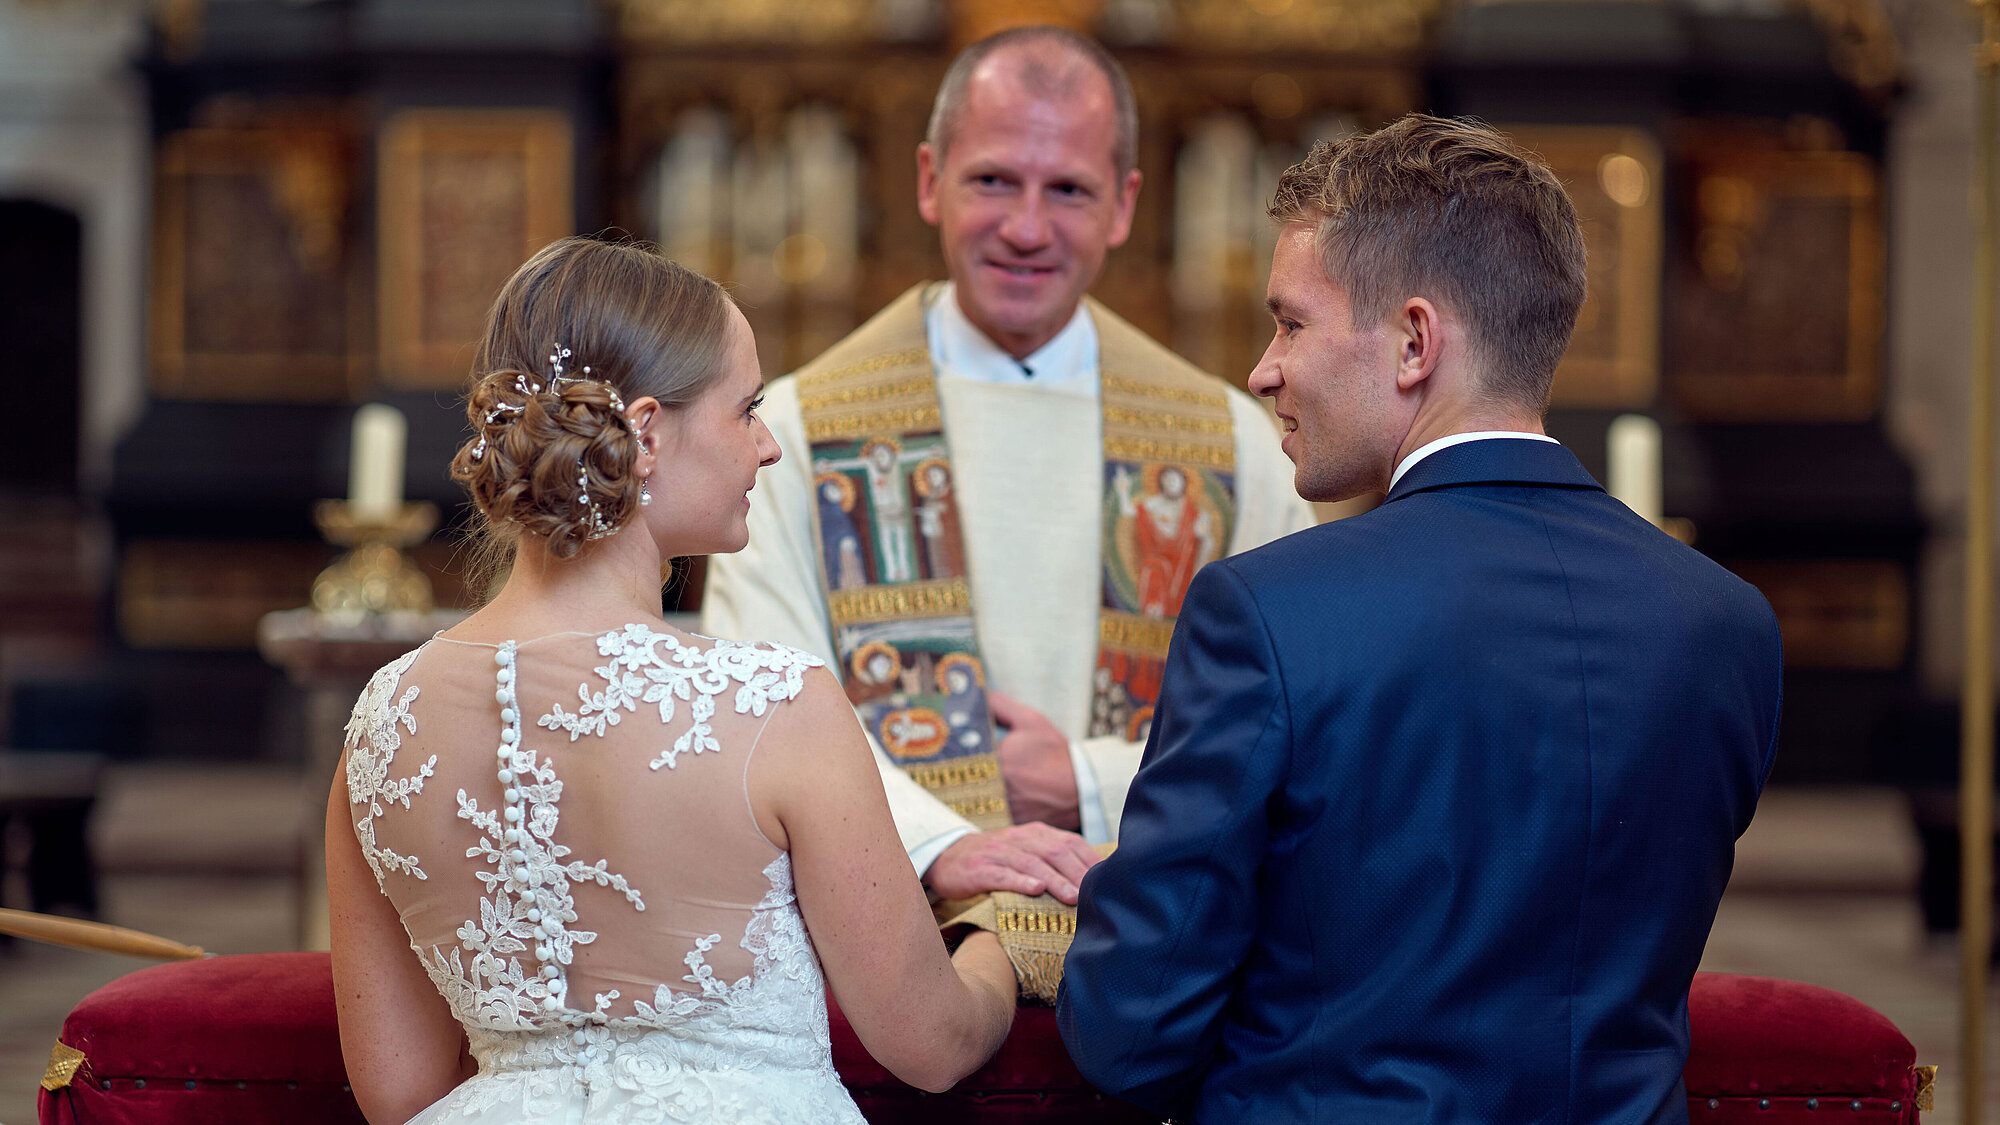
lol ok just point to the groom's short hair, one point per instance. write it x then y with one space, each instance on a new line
1450 211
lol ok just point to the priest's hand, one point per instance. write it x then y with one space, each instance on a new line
1027 858
1035 765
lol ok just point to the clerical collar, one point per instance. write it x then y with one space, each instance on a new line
1447 442
1068 362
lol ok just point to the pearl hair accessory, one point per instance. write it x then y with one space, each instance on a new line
600 526
558 379
593 515
530 388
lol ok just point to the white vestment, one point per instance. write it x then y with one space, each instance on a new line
1028 475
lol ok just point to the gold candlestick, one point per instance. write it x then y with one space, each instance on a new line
374 576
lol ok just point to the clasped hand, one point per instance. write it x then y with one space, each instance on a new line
1036 854
1029 859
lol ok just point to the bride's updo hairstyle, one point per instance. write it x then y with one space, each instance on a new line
552 458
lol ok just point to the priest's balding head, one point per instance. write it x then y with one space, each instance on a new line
1028 173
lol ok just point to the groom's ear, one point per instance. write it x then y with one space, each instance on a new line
1419 340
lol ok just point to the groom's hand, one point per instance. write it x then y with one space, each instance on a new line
1026 858
1035 765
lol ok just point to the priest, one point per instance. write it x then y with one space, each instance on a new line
994 492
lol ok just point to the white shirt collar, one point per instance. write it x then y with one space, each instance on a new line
1447 442
1067 362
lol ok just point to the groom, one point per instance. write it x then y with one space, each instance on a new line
1439 799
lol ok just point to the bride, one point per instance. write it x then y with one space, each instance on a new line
583 866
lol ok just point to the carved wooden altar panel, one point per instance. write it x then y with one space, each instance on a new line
683 22
253 293
1776 286
205 593
1352 27
752 98
1613 179
1836 613
1373 27
465 196
209 594
803 181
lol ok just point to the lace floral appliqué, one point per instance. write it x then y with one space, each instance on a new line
528 904
650 667
752 1050
756 1050
374 734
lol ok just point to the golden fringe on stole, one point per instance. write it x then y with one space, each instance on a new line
1034 930
969 786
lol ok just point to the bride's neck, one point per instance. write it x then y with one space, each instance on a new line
615 580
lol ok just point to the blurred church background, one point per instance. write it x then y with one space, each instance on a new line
225 224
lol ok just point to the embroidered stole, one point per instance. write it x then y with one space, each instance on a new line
892 558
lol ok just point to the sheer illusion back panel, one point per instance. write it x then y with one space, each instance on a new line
646 818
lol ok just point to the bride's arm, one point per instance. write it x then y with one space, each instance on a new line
403 1048
930 1019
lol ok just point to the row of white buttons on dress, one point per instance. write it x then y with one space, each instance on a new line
516 761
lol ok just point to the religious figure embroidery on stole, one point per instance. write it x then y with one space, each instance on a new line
1163 536
883 505
937 518
925 705
840 540
893 555
1162 523
888 509
894 565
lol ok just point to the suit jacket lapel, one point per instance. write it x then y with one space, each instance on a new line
1495 461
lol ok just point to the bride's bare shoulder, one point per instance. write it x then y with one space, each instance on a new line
818 708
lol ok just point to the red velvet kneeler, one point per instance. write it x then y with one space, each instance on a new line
241 1039
1031 1079
251 1039
1776 1052
1764 1052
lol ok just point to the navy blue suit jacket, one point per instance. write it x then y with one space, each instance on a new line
1437 807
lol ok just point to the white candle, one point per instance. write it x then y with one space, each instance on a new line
375 472
1633 452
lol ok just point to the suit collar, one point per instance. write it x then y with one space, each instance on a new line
1495 461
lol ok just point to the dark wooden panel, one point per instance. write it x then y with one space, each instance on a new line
1775 307
464 197
253 276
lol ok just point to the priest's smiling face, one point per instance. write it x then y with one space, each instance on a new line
1027 199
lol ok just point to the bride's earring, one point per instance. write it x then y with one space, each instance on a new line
645 492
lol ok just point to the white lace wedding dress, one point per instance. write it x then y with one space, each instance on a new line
564 826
